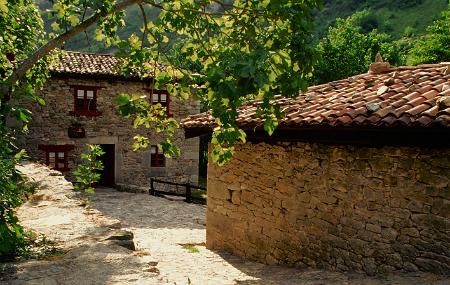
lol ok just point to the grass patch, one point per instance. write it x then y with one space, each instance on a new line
37 246
199 194
192 247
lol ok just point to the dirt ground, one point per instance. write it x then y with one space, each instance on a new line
169 238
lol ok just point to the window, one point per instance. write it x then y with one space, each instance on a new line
157 157
57 156
85 101
161 97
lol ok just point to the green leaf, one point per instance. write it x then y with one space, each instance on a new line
86 172
89 190
122 100
269 125
21 154
55 26
73 20
39 100
3 6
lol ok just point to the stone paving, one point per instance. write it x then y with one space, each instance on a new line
160 228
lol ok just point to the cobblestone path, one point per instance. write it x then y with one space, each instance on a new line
161 227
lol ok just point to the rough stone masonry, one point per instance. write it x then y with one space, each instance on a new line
337 207
133 169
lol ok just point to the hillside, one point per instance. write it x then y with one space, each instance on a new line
395 17
86 42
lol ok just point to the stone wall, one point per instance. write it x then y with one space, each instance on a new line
132 169
337 207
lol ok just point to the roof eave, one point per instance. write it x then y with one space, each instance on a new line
433 136
88 76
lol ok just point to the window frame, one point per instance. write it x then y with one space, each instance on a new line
84 112
157 159
57 149
159 92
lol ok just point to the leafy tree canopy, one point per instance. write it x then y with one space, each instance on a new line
242 50
346 50
20 33
434 47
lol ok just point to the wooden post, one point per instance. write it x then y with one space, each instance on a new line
152 188
188 193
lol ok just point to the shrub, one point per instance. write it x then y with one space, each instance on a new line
13 190
346 50
434 47
86 174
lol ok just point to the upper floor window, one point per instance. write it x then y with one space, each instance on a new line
85 101
161 97
157 158
57 156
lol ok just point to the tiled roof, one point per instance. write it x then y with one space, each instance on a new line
90 64
398 97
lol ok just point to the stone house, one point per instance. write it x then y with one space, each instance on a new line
80 109
356 177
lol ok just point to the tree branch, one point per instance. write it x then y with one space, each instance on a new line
144 17
162 7
28 63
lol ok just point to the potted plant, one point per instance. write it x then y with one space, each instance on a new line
76 130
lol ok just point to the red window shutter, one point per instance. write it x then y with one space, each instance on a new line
162 97
85 101
57 156
157 158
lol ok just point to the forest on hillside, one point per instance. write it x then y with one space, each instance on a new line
347 34
397 18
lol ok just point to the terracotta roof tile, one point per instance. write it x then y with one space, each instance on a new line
360 119
398 96
418 109
91 64
384 111
409 100
374 119
445 112
438 81
329 113
401 108
404 119
343 120
417 101
357 104
412 96
442 120
387 95
354 113
425 88
388 120
432 112
430 94
424 121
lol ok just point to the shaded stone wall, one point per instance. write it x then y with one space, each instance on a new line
132 169
338 207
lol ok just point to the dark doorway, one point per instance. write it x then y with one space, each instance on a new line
107 174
